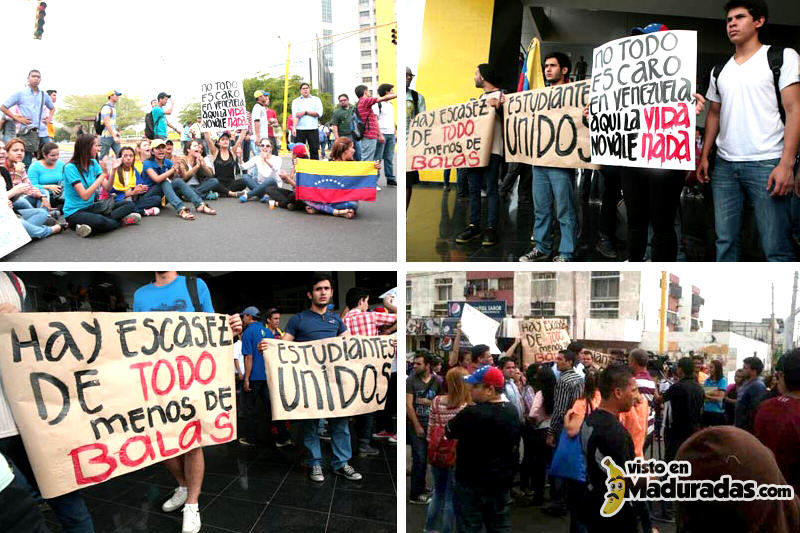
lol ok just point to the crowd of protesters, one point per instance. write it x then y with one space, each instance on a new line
105 185
746 154
497 434
20 501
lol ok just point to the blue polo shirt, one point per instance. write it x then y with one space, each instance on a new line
310 326
159 122
250 338
172 297
144 179
30 106
72 200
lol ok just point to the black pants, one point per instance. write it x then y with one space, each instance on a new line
383 418
258 390
228 186
478 508
312 138
102 223
652 197
525 189
283 197
711 418
19 513
608 208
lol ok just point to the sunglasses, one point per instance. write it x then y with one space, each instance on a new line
266 146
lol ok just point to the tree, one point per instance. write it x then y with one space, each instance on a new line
189 113
76 107
274 86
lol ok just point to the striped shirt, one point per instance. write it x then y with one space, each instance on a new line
647 388
366 322
568 389
8 294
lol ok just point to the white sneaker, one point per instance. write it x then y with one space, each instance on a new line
83 230
178 498
348 472
191 520
316 474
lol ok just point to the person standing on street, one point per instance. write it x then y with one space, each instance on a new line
32 117
307 109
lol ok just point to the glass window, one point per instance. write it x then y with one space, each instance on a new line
366 66
367 79
444 289
604 295
364 13
327 12
505 284
365 40
366 53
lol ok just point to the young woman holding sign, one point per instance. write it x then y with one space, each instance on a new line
225 164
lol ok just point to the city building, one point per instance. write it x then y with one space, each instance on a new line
764 331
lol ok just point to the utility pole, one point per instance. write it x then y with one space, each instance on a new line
788 333
662 313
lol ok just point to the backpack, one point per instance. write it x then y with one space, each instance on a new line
149 126
441 450
775 60
357 126
191 286
98 122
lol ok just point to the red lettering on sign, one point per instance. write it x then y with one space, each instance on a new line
205 356
161 450
195 426
182 362
154 377
227 425
125 459
666 147
666 117
140 367
101 458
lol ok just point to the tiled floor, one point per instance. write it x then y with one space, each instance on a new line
254 489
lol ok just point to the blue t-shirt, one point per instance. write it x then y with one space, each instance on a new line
72 200
250 338
159 122
172 297
748 397
310 326
40 176
715 407
151 163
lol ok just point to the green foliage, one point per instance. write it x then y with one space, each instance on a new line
274 86
62 134
189 113
75 107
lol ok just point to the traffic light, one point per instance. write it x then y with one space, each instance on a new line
394 36
40 13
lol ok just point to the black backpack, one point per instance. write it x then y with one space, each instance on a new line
357 126
98 122
149 126
775 60
191 287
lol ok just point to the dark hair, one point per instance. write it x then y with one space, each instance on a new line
615 376
530 374
343 94
188 146
686 365
32 71
169 142
119 169
51 91
305 84
503 360
317 277
426 356
755 363
569 355
360 90
384 88
355 295
590 379
81 155
790 366
756 8
575 346
563 60
461 355
639 356
478 350
271 311
716 369
340 146
44 149
546 382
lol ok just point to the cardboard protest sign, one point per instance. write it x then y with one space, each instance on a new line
223 106
98 395
12 232
546 127
458 136
642 106
479 328
605 359
542 338
335 377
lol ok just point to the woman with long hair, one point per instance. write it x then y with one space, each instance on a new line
47 173
195 171
544 385
267 167
30 196
715 387
36 221
226 166
142 154
441 516
126 185
83 176
342 150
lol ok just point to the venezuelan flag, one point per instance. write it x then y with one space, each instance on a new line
336 181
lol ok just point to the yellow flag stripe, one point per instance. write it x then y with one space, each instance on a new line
336 168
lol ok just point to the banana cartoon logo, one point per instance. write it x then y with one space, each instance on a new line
615 497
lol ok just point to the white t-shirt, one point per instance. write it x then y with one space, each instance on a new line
8 294
237 355
385 116
264 170
750 127
260 114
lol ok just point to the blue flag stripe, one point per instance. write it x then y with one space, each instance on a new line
322 181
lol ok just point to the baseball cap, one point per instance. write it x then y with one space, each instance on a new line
650 28
488 375
162 94
260 93
252 311
299 150
113 93
155 143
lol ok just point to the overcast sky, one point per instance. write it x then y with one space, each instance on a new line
141 48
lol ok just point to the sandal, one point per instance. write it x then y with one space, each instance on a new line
185 214
203 208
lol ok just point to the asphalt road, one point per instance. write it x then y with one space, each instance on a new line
239 232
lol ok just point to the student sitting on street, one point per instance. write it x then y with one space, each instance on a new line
282 192
31 196
47 173
223 158
127 185
195 170
267 166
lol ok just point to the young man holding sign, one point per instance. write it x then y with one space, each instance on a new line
313 324
755 120
171 292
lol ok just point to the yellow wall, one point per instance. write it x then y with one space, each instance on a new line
454 42
387 52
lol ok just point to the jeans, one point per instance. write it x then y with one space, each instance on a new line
364 424
551 184
419 464
108 143
312 138
171 189
258 189
524 194
33 220
102 223
356 146
608 208
652 197
731 183
491 174
385 151
441 516
330 208
259 390
206 187
476 508
340 441
462 180
27 159
369 149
